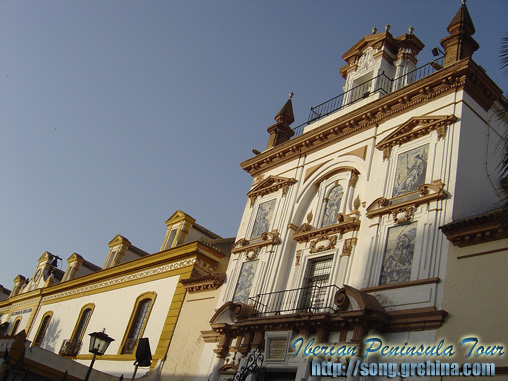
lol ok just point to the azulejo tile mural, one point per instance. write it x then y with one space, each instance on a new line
411 170
245 281
400 247
263 218
333 206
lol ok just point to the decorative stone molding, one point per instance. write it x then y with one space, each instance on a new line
251 247
425 194
203 283
322 243
415 128
352 180
402 215
122 279
345 224
347 249
270 185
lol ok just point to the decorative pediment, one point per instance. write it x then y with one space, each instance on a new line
415 128
119 240
46 257
401 207
345 224
251 247
270 185
179 216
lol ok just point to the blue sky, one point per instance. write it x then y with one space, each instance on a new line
115 114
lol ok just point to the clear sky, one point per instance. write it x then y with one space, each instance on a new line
115 114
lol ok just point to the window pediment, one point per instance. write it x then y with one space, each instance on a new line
270 185
251 247
345 224
415 128
426 193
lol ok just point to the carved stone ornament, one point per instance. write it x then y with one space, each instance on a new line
402 215
322 243
347 249
298 257
203 283
425 194
415 128
251 247
345 224
270 185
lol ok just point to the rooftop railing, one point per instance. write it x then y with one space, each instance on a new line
381 84
311 299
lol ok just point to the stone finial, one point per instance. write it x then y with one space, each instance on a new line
374 30
460 43
387 27
291 94
411 29
281 131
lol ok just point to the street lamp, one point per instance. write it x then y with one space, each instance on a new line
99 342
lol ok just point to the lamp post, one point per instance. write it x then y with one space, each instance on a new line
99 342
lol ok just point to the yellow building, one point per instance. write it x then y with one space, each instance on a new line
134 295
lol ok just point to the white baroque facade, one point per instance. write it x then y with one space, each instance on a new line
340 238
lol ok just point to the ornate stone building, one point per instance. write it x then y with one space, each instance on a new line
340 238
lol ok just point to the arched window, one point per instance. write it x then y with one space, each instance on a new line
332 206
72 346
138 321
42 329
15 326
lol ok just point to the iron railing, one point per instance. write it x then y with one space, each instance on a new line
380 84
300 300
70 347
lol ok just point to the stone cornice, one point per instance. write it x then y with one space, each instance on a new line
465 74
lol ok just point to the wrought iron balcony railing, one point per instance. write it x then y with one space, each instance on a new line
300 300
70 347
381 84
129 346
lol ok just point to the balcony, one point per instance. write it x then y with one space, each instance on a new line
70 347
312 299
381 84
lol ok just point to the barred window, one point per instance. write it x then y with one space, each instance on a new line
42 330
137 323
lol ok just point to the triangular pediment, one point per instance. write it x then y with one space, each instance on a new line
179 216
46 256
119 240
365 42
270 185
415 128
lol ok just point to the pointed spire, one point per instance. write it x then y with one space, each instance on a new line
459 44
285 115
281 131
462 20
